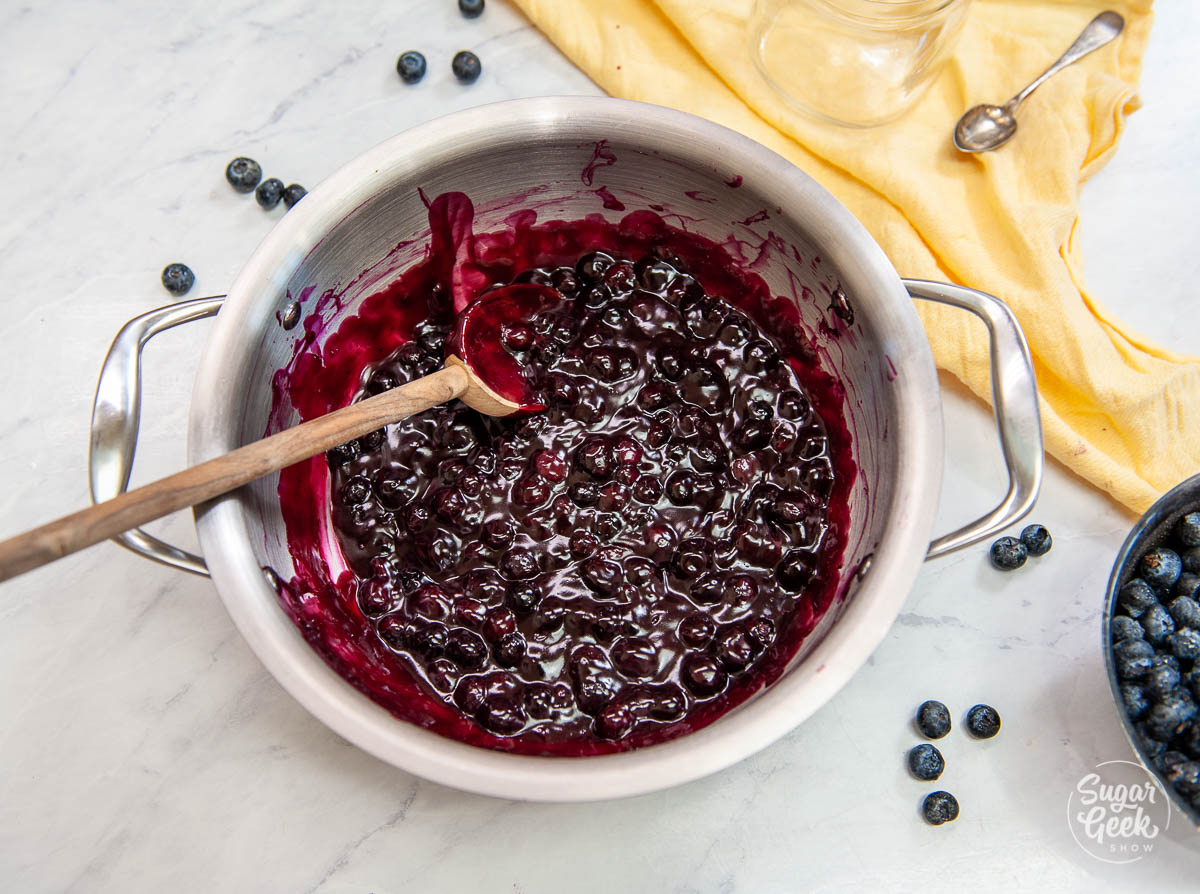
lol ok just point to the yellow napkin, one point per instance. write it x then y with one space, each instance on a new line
1115 407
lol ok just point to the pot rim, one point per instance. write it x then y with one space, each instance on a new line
868 615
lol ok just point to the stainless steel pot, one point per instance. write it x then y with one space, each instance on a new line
553 155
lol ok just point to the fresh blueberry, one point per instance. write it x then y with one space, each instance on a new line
1136 703
1191 560
983 721
1151 746
1160 682
1185 644
926 762
269 193
411 66
933 719
293 194
1185 777
1037 540
1171 715
1169 759
1187 529
940 807
1186 612
1133 658
472 9
178 278
1125 627
1136 596
1161 567
243 174
1187 585
1008 553
1157 623
466 66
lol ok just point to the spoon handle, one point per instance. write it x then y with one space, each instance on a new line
1100 30
225 473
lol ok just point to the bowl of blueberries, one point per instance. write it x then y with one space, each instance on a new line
1152 641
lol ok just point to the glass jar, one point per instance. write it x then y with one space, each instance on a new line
857 63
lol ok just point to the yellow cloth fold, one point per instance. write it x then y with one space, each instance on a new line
1114 405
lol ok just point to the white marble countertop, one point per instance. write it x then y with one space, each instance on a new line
144 748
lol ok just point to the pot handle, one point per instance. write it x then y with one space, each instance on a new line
1014 396
116 416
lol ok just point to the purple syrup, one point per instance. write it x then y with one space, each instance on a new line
617 571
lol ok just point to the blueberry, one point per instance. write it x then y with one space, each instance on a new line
1187 529
1136 703
933 719
1191 560
466 66
1161 567
983 721
1169 759
1186 612
1160 682
926 762
1008 553
1151 746
1133 658
1157 623
472 9
1170 716
269 193
1185 644
1185 777
940 807
243 174
1136 596
1037 540
411 66
1187 585
178 278
1125 627
293 194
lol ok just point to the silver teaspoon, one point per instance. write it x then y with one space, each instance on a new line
987 126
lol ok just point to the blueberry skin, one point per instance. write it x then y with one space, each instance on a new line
1161 567
983 721
1191 560
1133 658
1037 540
243 174
1188 585
269 193
940 807
466 66
1136 703
1125 627
1008 554
1187 530
471 9
933 718
1160 682
293 194
1136 596
926 762
1157 623
1185 644
178 278
411 66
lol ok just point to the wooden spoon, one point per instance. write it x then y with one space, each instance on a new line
477 370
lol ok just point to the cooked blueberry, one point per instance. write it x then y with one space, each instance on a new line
940 807
602 576
1134 697
501 716
178 278
615 721
1133 658
411 66
1160 567
635 656
702 675
1185 611
1124 627
465 648
1136 596
243 174
471 8
466 66
933 719
1157 623
1008 553
926 762
696 630
510 649
595 456
983 721
293 193
1187 529
734 649
269 193
1037 540
795 571
1185 644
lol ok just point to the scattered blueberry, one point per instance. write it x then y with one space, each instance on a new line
466 66
1008 553
1186 612
411 66
926 762
1037 540
1135 596
269 193
243 174
983 721
472 9
1161 567
1185 644
1133 658
1187 529
940 807
933 719
178 278
1125 627
293 194
1157 623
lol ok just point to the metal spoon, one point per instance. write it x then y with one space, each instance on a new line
987 126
